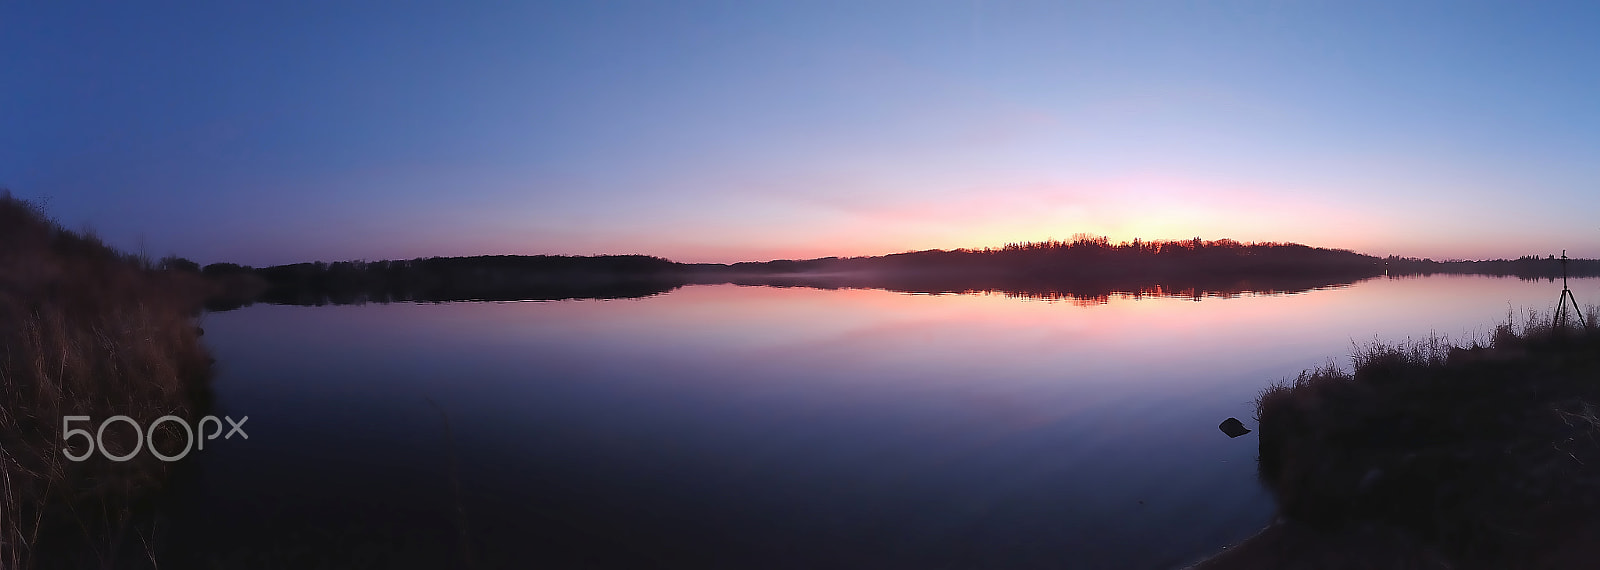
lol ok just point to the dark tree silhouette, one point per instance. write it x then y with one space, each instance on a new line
1086 268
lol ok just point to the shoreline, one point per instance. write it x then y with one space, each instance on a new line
1431 454
91 335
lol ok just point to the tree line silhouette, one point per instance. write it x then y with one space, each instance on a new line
477 278
1086 268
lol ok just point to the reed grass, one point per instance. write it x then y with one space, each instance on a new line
1487 451
86 330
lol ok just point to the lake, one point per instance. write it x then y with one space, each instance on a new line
760 427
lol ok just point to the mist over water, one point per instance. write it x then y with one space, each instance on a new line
738 426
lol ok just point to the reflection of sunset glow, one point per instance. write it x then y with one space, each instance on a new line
861 325
842 386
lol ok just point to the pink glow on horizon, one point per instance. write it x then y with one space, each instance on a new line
1150 207
883 217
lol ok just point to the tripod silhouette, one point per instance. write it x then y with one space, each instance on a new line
1566 296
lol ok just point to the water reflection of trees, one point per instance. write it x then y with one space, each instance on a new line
482 278
1077 292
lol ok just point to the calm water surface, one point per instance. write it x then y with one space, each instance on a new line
751 427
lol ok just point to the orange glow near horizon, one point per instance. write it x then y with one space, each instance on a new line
1148 207
871 219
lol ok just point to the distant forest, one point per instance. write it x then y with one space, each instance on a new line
479 278
1086 268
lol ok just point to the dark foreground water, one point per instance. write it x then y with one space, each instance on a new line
750 427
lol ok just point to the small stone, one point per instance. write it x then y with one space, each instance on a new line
1233 427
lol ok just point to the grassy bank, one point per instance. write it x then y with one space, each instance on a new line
86 331
1484 455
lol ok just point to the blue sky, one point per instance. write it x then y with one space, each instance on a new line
726 131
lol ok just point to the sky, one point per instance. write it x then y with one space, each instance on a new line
280 132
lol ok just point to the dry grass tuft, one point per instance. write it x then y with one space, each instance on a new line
85 330
1488 451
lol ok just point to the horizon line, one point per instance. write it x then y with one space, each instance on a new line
1046 242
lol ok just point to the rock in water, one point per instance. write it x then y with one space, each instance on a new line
1233 427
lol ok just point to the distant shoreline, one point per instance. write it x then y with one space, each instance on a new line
1088 269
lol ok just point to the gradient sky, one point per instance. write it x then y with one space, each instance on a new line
727 131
